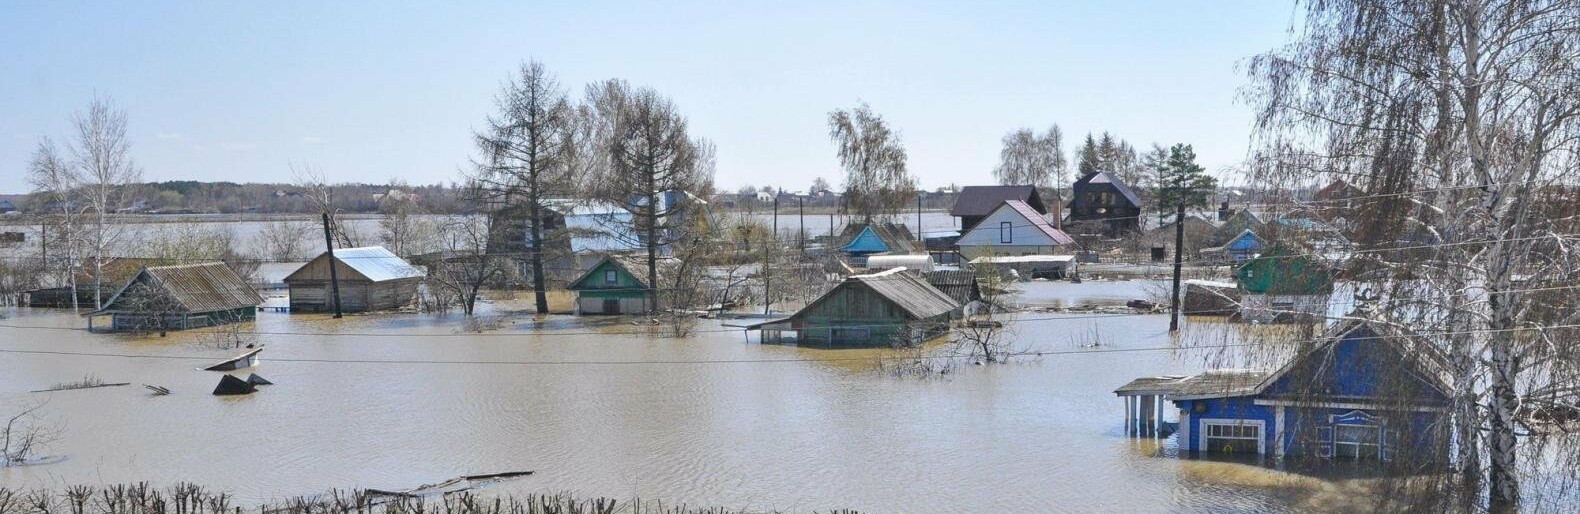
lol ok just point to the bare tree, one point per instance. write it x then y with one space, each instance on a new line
1460 118
23 436
818 185
283 240
104 170
876 180
1030 159
321 195
402 228
465 267
654 166
987 333
55 187
525 145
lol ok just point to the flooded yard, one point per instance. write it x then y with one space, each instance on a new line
393 401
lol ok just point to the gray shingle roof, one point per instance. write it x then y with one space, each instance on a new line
909 292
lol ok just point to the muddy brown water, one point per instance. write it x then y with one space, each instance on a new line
597 410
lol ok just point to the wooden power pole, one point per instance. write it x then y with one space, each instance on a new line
334 278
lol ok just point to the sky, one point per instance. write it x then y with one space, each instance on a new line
374 91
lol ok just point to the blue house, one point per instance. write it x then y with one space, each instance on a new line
1364 392
1239 248
861 240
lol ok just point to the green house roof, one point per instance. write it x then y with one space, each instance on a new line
1282 272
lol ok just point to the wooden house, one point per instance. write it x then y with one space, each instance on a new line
1284 286
617 284
1105 200
860 240
1364 391
161 298
869 310
371 279
974 203
1013 228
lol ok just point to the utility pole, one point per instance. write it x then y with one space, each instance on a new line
801 204
334 278
1179 254
922 242
773 239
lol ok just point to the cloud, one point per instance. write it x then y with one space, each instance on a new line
170 136
314 140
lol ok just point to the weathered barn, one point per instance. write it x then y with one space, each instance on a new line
617 284
878 309
371 279
1364 392
162 298
1014 228
976 202
1104 199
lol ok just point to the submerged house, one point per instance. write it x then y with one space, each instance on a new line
1104 199
371 279
1364 392
616 285
1283 286
878 309
975 203
1013 228
163 298
861 240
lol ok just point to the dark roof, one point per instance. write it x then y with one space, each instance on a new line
1337 190
1159 385
958 284
981 200
196 288
1103 177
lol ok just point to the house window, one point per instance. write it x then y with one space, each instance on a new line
1232 437
1357 441
611 277
1006 232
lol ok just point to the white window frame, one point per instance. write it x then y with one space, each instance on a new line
1206 424
611 276
1357 445
1006 232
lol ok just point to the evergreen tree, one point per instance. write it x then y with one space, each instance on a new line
1182 181
1089 162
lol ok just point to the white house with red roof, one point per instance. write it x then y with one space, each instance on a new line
1014 228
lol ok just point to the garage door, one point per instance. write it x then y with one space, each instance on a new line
1233 437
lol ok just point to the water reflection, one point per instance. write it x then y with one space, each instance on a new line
597 406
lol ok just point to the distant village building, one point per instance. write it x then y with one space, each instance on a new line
371 279
1198 233
163 298
1103 198
1284 286
860 240
617 285
1363 392
869 310
1013 228
974 203
7 207
1239 249
1337 200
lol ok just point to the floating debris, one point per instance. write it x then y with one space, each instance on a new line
87 382
229 385
454 485
256 380
157 390
245 360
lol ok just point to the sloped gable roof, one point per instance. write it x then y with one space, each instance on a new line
983 200
866 241
374 263
1104 177
909 292
1038 222
196 288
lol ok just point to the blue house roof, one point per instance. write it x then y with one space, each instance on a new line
866 242
1247 241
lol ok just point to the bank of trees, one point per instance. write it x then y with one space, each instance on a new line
1460 119
1028 158
877 182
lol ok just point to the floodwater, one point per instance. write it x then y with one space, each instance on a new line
393 401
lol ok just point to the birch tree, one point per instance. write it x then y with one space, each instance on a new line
1031 159
526 142
55 187
102 171
1459 118
876 180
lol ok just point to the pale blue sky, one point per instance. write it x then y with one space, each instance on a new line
372 91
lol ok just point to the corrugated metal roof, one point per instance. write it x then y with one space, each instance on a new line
1037 221
373 262
959 285
910 292
197 288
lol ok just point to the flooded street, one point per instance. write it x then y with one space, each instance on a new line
392 401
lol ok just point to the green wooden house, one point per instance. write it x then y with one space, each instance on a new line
615 285
1283 285
878 309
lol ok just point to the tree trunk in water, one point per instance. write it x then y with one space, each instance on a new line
539 292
